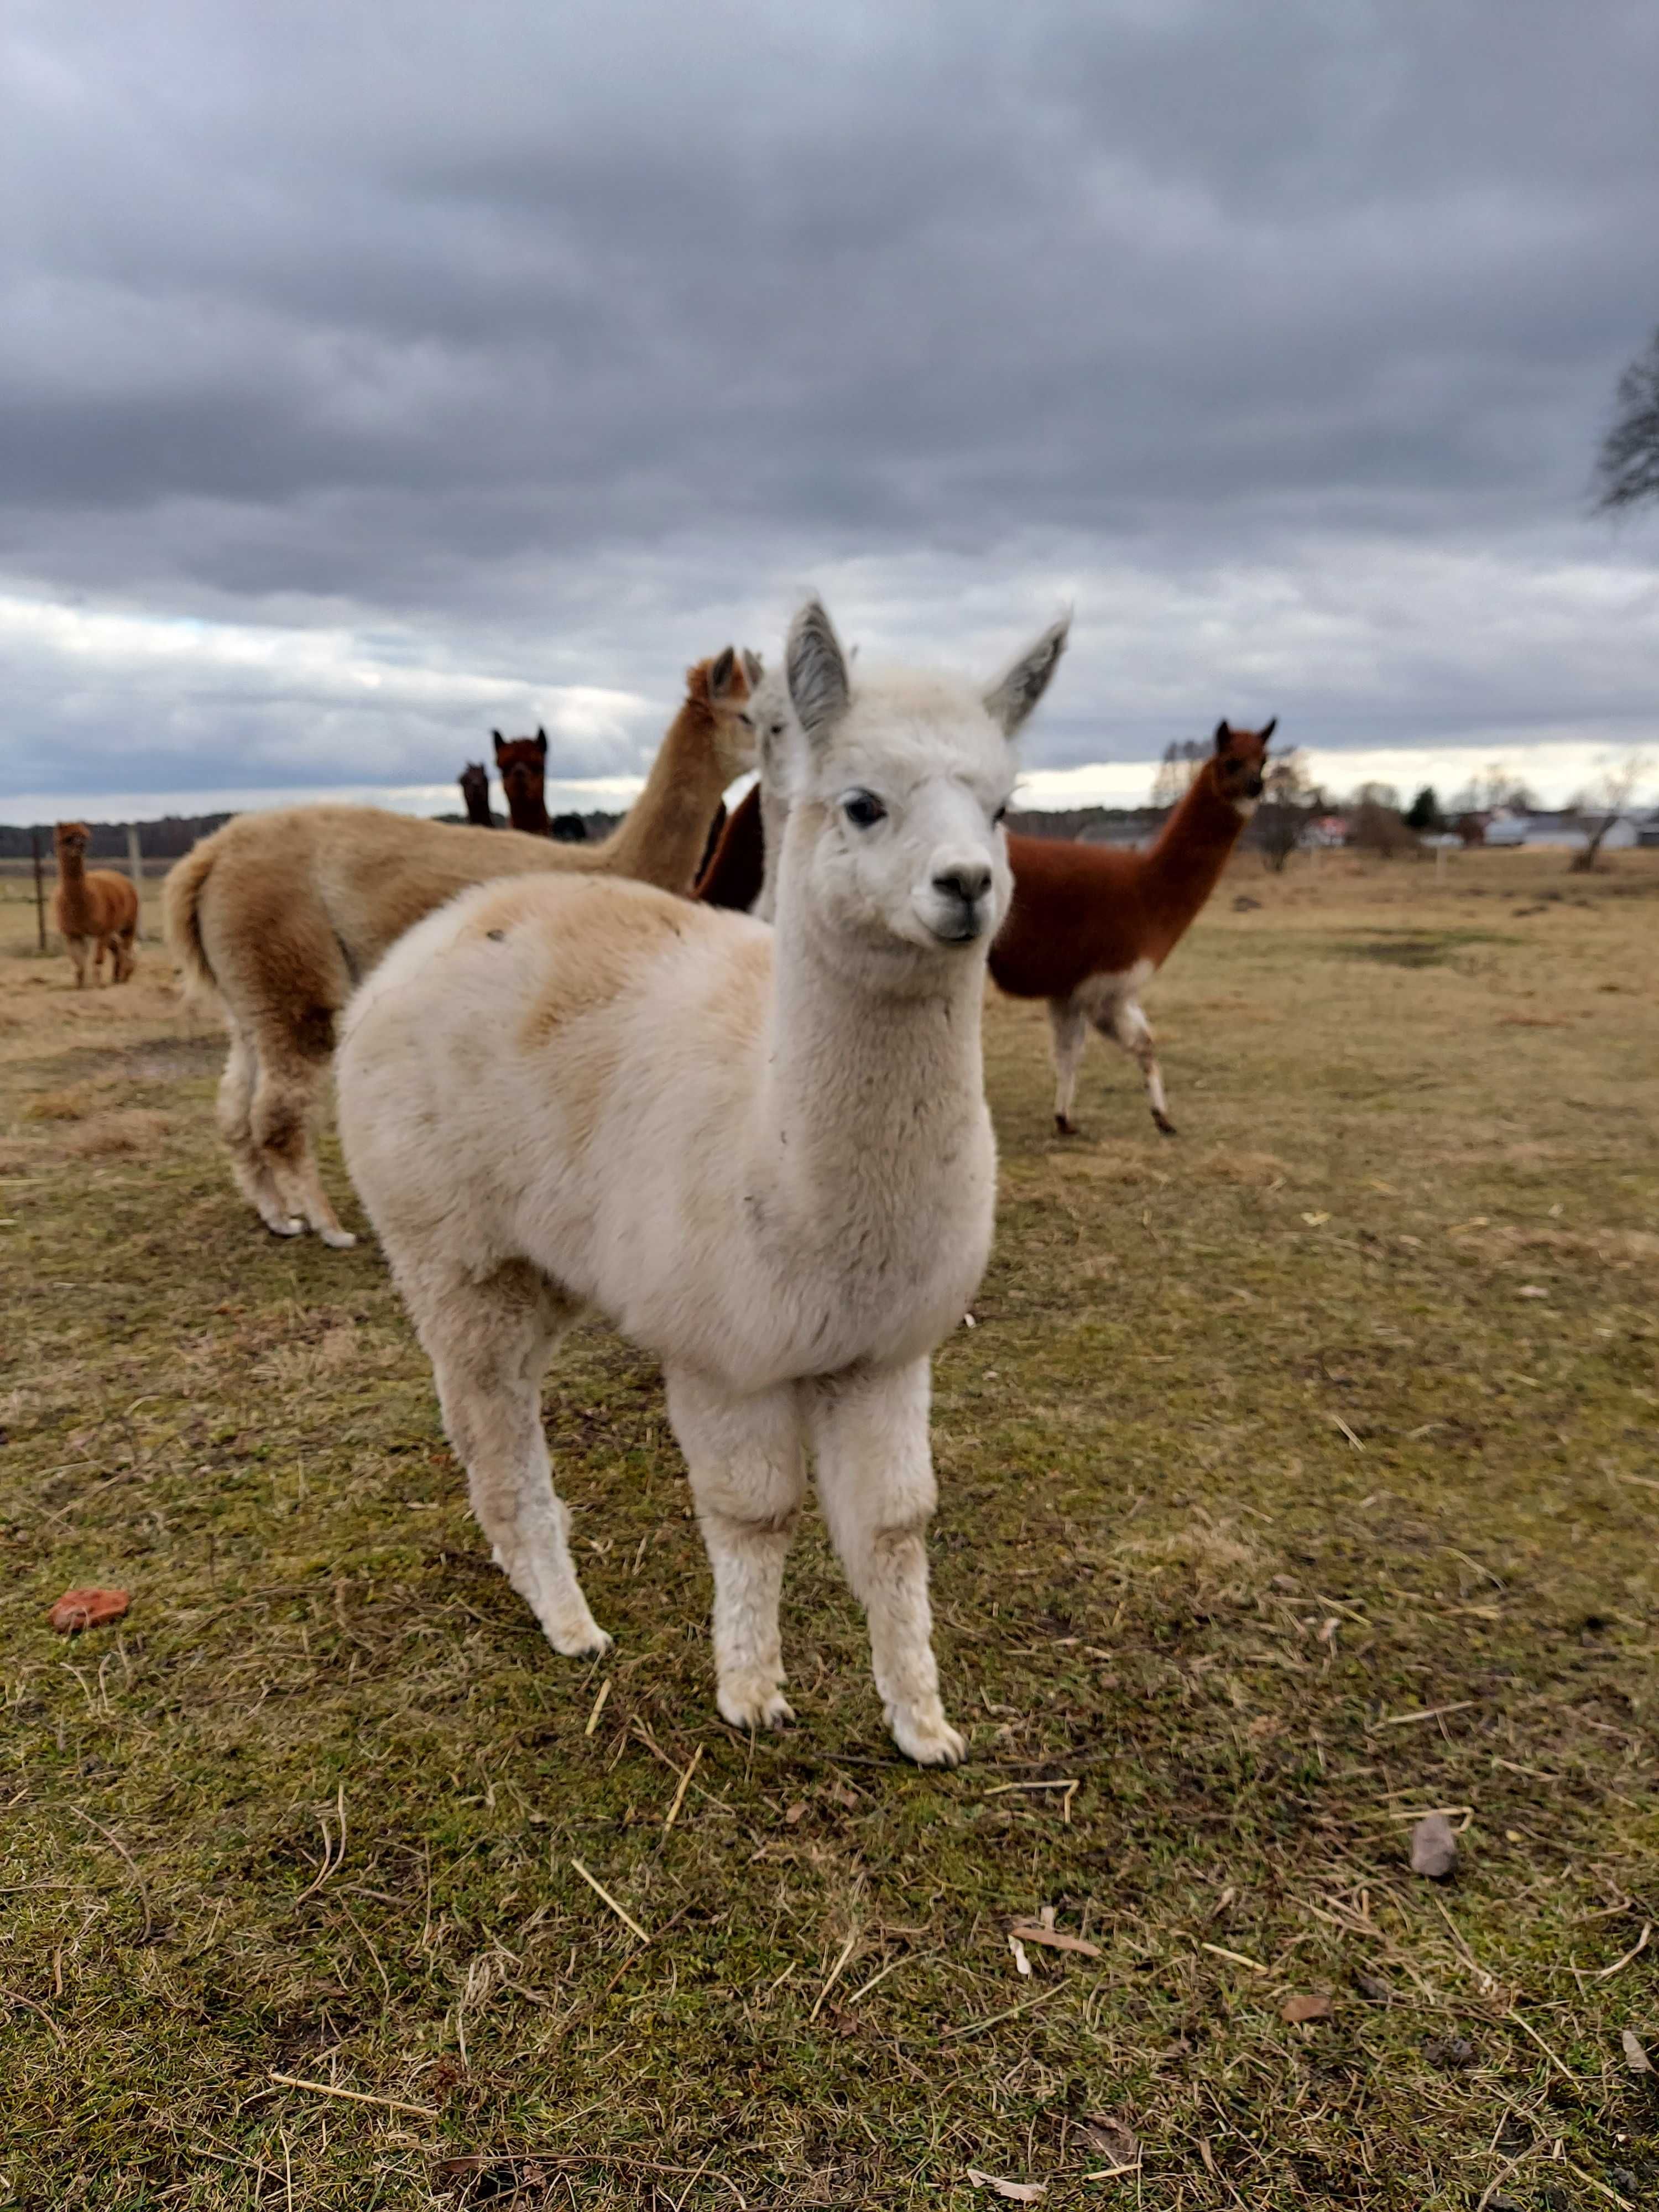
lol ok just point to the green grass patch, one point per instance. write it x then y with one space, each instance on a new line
1297 1477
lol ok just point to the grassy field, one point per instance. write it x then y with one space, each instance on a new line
1298 1477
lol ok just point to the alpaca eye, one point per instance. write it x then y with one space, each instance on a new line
1000 816
863 809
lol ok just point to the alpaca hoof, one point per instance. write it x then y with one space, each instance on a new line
284 1225
1166 1126
585 1641
1064 1126
750 1705
337 1240
925 1736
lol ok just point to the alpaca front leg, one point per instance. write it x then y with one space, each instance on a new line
875 1475
748 1470
1070 1027
489 1343
1134 1032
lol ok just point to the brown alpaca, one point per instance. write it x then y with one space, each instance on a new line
475 790
1090 927
280 916
94 912
521 764
735 867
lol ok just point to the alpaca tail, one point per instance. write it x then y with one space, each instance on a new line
181 926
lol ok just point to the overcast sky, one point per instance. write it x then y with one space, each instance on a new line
375 373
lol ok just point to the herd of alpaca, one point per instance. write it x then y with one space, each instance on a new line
764 1153
719 1079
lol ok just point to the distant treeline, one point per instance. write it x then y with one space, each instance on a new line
168 839
171 837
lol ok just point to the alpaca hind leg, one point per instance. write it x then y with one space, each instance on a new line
284 1099
1134 1032
489 1343
1070 1027
875 1474
747 1469
248 1164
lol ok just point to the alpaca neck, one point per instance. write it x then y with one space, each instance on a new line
661 838
530 814
1194 844
73 902
875 1087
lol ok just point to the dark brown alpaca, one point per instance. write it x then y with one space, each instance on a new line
521 764
94 911
735 868
1090 927
475 790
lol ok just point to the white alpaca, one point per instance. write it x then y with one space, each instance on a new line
764 1154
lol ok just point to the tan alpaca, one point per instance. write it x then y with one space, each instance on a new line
279 917
764 1154
94 911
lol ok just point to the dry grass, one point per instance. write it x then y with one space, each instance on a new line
1257 1451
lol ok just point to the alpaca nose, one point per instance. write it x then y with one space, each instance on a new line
967 880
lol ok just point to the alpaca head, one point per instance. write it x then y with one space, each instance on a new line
898 786
1241 764
475 783
521 764
727 685
72 839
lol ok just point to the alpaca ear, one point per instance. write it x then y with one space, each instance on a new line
541 741
1012 697
721 670
1223 736
816 670
1271 727
754 668
500 743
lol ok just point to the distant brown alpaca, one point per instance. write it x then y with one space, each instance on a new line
475 790
735 869
1090 927
521 764
280 916
94 913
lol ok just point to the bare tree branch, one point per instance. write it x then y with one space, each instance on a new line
1627 467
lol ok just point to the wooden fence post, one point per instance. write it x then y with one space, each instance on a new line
40 889
136 869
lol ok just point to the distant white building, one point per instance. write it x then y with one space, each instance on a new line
1563 828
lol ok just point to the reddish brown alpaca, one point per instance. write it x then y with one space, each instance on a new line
94 912
734 871
1090 927
521 764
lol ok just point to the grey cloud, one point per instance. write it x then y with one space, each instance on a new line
570 338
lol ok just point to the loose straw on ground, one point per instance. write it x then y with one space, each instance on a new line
673 1812
621 1911
834 1973
1238 1957
355 2096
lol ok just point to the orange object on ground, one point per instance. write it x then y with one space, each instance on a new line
86 1608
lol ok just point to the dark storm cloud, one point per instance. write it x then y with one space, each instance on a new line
564 340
